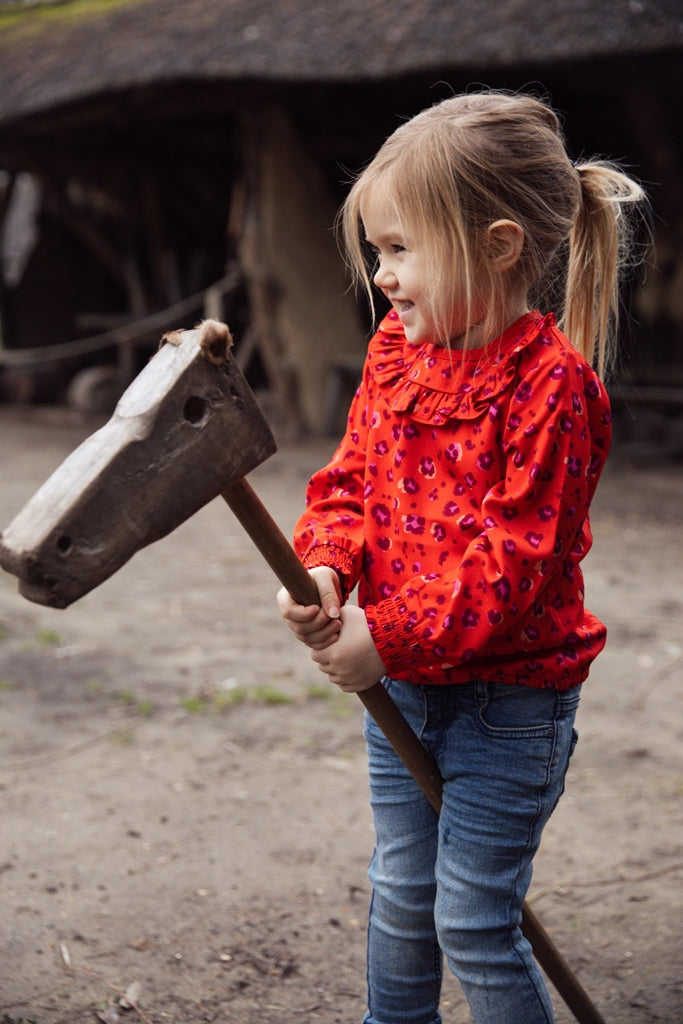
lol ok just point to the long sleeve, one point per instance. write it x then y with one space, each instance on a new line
331 531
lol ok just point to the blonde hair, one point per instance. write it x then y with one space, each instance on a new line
459 166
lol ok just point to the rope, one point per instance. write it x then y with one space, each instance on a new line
118 335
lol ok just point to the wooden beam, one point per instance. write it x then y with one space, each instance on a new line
85 231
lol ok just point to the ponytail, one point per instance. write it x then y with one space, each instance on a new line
600 249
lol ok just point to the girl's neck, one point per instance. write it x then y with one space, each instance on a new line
477 336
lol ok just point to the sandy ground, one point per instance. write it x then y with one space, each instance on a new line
183 801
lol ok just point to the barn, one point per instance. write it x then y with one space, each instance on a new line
163 160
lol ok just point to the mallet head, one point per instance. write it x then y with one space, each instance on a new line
186 428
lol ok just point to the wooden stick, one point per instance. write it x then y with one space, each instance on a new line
286 565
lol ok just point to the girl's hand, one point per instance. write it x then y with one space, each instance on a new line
317 626
352 661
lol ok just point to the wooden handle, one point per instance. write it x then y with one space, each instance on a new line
271 542
285 563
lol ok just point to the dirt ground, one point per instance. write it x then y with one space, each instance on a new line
183 800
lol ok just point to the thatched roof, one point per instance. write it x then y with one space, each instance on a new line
61 53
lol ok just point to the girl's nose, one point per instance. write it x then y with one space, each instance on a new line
383 276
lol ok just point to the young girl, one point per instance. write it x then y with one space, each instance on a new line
458 502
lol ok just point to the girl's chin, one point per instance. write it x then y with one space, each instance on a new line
417 337
412 336
413 328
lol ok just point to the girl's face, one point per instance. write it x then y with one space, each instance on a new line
402 275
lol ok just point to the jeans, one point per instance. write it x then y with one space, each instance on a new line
453 884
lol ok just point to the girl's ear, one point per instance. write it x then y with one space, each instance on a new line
505 240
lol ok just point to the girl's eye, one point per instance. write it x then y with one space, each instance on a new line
376 253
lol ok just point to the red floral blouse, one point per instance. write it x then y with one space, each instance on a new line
458 501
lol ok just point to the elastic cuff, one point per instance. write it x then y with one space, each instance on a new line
334 558
393 636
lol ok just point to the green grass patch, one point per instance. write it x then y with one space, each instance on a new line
31 20
268 695
213 702
229 698
123 737
48 638
130 700
195 705
319 691
342 704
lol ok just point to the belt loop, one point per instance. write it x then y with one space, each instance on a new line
481 690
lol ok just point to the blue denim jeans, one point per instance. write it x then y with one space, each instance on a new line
454 884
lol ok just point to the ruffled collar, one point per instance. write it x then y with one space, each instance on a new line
434 384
